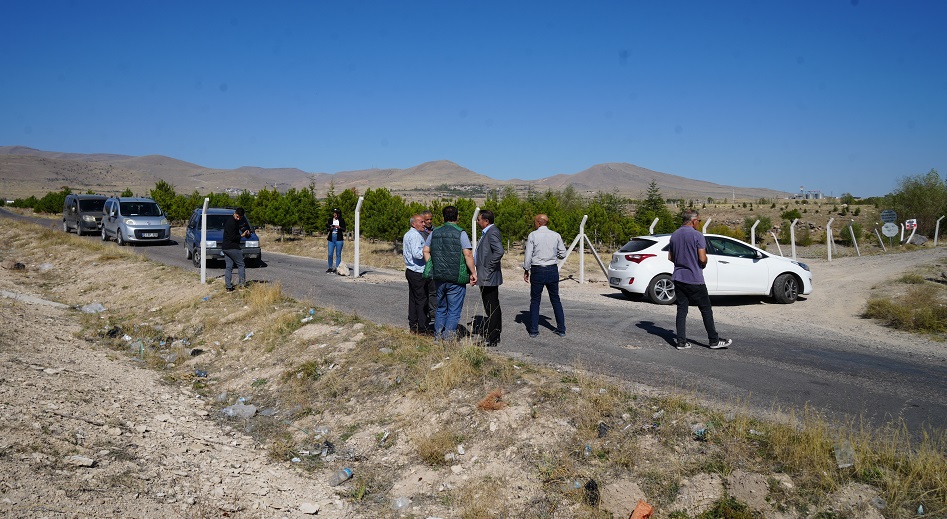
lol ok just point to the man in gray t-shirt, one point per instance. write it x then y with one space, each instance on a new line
688 252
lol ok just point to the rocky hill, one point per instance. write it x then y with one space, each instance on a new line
27 171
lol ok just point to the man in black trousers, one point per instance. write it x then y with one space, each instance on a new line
490 276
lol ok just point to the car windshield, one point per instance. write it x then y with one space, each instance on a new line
637 244
140 209
95 205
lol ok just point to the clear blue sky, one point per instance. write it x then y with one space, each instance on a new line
834 95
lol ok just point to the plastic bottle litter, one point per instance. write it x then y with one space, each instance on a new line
201 373
339 477
587 451
844 454
400 503
920 509
247 337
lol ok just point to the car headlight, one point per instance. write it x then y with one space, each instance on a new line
164 221
211 244
803 265
129 221
252 243
88 218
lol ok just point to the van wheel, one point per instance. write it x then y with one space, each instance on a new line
187 252
65 226
197 257
105 237
119 239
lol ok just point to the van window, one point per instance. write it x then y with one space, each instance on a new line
140 209
95 205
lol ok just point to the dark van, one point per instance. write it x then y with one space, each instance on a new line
82 213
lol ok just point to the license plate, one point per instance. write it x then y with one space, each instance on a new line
149 235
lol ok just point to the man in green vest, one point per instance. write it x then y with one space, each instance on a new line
449 257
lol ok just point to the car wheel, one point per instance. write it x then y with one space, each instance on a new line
785 289
65 226
661 290
105 236
187 252
196 257
119 239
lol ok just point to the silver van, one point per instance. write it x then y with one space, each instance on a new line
82 213
134 220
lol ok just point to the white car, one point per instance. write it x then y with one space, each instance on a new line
734 268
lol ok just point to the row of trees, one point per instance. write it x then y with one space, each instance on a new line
612 218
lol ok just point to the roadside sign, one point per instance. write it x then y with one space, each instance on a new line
889 216
889 229
910 225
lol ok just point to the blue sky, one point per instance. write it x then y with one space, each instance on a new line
834 95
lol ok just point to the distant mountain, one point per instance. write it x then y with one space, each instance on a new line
27 171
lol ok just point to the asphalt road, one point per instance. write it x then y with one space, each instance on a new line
764 370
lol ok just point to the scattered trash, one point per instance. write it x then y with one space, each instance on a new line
247 338
400 503
658 414
195 352
306 319
602 429
576 389
93 308
200 373
269 411
295 460
242 400
844 454
205 298
126 338
45 266
591 493
328 448
492 402
461 450
920 509
239 411
340 477
700 432
14 265
312 311
320 430
642 510
587 451
384 437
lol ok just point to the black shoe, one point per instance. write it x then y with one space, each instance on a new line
560 334
330 270
533 335
229 289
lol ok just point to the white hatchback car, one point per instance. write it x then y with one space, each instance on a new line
734 268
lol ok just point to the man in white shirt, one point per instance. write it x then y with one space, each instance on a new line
544 249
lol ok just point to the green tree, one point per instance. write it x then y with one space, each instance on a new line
923 197
127 192
790 215
653 206
764 226
52 202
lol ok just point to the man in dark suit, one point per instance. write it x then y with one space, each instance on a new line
490 276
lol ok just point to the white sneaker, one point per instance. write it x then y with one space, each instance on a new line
683 346
721 343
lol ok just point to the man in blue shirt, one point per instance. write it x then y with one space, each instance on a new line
688 252
413 251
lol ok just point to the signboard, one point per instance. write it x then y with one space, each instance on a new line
889 229
889 216
910 225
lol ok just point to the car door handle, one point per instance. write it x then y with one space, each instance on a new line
723 261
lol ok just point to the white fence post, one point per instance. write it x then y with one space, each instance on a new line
204 241
651 229
753 233
706 224
473 228
937 230
828 237
775 239
792 237
851 229
882 242
358 215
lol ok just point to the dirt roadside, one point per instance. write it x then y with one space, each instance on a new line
87 432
